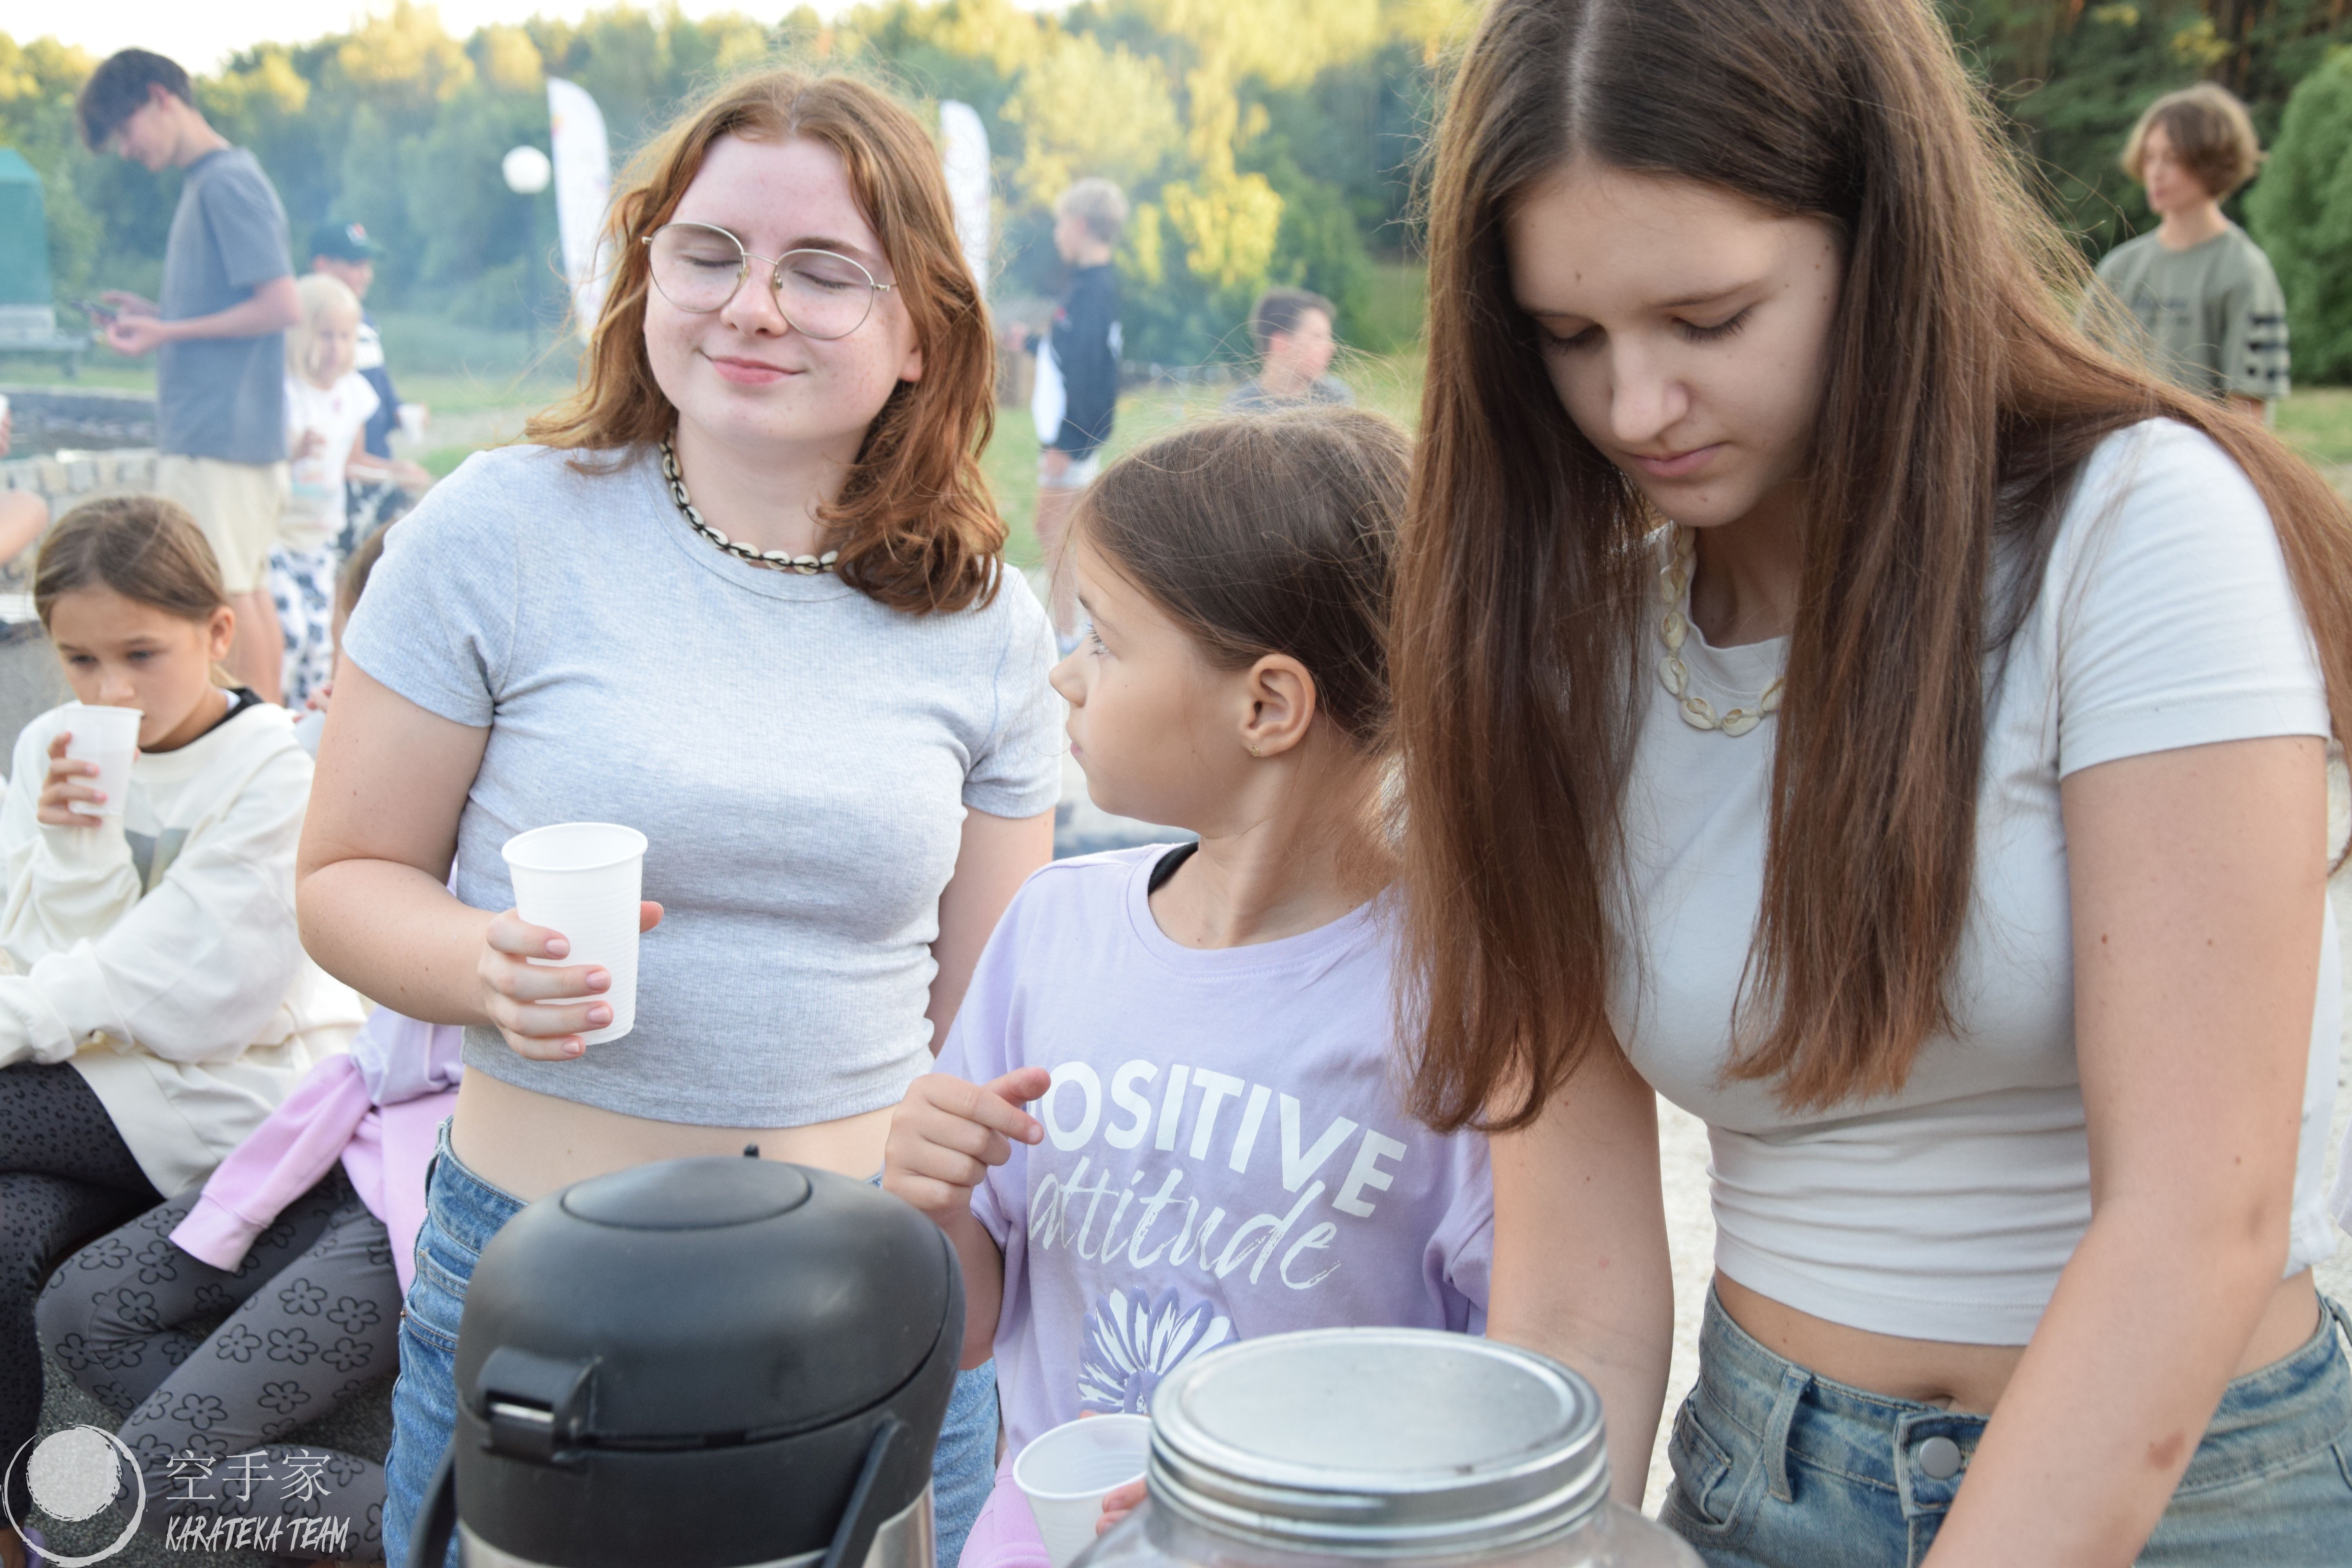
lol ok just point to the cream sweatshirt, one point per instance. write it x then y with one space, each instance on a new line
156 951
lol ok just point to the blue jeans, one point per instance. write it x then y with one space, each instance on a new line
1775 1466
462 1213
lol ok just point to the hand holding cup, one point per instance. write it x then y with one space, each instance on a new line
104 737
1072 1475
576 897
70 779
1118 1503
515 991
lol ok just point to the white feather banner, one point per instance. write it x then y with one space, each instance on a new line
583 188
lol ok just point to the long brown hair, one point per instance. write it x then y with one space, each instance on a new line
144 547
1273 534
916 527
1960 406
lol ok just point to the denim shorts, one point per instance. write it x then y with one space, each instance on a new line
462 1213
1774 1466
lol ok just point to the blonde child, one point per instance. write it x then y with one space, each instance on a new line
328 406
155 1003
1218 1149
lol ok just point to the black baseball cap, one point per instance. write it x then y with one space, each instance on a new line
342 241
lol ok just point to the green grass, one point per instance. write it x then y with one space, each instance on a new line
100 369
1394 308
1388 384
2319 420
450 367
462 373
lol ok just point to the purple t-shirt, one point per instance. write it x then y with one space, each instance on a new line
1226 1151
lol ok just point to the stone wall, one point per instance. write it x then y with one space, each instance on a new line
69 446
65 478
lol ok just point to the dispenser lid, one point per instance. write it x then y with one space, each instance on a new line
697 1195
1379 1442
702 1300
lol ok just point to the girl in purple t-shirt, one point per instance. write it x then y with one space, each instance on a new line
1219 1148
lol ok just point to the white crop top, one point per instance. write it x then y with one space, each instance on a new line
1946 1211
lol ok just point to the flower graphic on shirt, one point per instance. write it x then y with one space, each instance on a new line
1132 1343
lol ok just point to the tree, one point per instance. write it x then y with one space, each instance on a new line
38 83
2302 213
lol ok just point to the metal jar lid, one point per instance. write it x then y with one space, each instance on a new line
1379 1442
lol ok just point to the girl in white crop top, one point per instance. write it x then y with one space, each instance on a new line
1935 804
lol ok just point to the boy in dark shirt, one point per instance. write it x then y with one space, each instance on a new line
1076 392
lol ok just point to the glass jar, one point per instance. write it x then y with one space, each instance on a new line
1339 1446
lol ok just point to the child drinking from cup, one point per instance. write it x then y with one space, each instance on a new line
309 1230
155 1003
1218 1149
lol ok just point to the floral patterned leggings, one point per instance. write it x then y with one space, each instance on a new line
317 1319
65 1174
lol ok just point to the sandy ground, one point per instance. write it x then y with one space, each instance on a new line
1690 1231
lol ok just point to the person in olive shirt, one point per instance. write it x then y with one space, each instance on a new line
218 334
2210 315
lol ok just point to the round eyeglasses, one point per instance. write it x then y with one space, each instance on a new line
699 266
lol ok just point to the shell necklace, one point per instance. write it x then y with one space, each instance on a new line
774 560
1673 581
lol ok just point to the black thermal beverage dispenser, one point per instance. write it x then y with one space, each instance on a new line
702 1363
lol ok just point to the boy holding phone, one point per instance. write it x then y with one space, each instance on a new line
218 333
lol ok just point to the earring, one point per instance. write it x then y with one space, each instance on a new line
1256 753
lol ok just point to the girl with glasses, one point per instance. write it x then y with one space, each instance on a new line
742 593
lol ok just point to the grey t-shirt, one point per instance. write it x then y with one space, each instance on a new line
799 756
223 398
2212 316
1252 397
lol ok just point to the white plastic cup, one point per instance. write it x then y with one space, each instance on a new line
1068 1472
584 879
109 737
411 420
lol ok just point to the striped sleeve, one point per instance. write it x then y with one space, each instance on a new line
2254 337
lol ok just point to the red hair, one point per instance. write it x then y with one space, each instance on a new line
916 526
